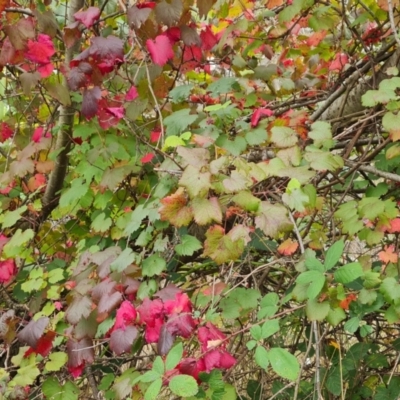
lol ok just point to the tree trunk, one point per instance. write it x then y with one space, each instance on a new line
65 124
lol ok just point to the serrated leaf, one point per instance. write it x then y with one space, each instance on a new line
153 265
336 316
269 328
175 210
153 390
283 136
183 385
348 273
56 361
323 160
247 201
284 363
189 244
180 93
174 357
321 134
333 254
178 121
26 375
317 311
236 182
54 391
206 211
196 183
261 357
126 258
222 86
273 219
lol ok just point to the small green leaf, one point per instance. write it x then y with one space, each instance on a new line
333 254
158 366
183 385
269 328
26 375
247 201
177 122
153 390
352 324
255 331
336 316
348 273
174 356
56 361
283 136
189 244
52 390
261 357
126 258
317 311
284 363
153 265
222 85
180 93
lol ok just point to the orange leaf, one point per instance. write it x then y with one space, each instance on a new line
388 255
288 247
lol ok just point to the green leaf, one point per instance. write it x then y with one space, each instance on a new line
206 211
26 375
336 316
177 122
196 183
222 86
273 219
269 328
126 258
17 243
348 273
70 197
255 331
255 137
236 182
321 134
188 246
313 264
284 363
236 146
247 201
153 390
390 289
333 254
282 136
9 218
316 281
153 265
323 160
173 357
261 357
352 324
158 366
238 302
101 223
180 93
317 311
56 361
183 385
371 207
54 391
268 306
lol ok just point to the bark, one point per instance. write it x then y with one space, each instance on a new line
65 124
350 93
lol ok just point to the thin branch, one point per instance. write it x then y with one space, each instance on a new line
373 170
392 23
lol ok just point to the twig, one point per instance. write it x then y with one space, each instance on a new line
392 23
373 170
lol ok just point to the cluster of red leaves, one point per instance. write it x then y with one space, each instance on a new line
5 132
8 269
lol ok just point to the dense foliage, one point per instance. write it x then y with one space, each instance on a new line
199 199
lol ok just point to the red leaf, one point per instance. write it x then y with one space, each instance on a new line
90 102
181 303
5 132
121 340
37 134
191 366
40 51
339 62
160 50
8 269
45 344
208 39
77 370
209 335
260 112
126 315
155 135
46 70
132 94
173 34
4 4
88 17
218 359
151 314
146 4
117 112
147 158
33 331
181 325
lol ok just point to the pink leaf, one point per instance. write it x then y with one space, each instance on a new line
394 225
147 158
160 50
40 51
117 112
38 134
165 341
33 331
155 135
339 62
88 17
46 70
132 94
77 370
8 269
208 39
126 315
260 112
218 359
181 303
